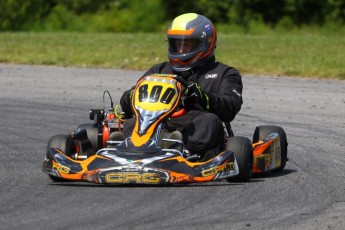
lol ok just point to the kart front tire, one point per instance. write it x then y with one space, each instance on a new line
242 148
92 134
60 142
263 131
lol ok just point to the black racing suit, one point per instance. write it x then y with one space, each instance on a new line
202 129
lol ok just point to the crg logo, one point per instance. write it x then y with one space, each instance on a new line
132 177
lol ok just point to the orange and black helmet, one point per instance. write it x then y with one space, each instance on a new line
192 40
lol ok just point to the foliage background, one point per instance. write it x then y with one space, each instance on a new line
154 15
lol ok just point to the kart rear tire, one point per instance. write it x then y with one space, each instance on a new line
92 134
242 148
263 131
63 143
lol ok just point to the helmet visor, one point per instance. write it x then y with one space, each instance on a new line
182 46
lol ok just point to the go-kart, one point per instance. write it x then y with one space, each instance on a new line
99 153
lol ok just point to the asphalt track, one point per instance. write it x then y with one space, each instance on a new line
38 102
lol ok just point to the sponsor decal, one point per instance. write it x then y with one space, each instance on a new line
218 169
135 175
61 168
237 93
211 76
207 27
263 162
132 177
203 34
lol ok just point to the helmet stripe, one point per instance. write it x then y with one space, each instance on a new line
181 22
179 32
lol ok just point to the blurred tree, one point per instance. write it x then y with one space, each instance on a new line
335 11
153 15
216 11
15 15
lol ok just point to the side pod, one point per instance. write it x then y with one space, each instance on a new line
267 154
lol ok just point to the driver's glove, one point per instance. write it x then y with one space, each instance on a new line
196 96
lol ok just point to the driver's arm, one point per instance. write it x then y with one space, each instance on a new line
227 102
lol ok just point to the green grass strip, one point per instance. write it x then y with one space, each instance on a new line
295 54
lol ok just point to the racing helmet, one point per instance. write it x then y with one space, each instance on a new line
192 40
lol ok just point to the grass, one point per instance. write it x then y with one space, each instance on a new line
288 54
309 55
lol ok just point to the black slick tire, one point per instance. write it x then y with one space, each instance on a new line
92 134
242 148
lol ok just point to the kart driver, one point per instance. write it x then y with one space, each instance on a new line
214 92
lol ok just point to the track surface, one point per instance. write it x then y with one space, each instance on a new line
38 102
